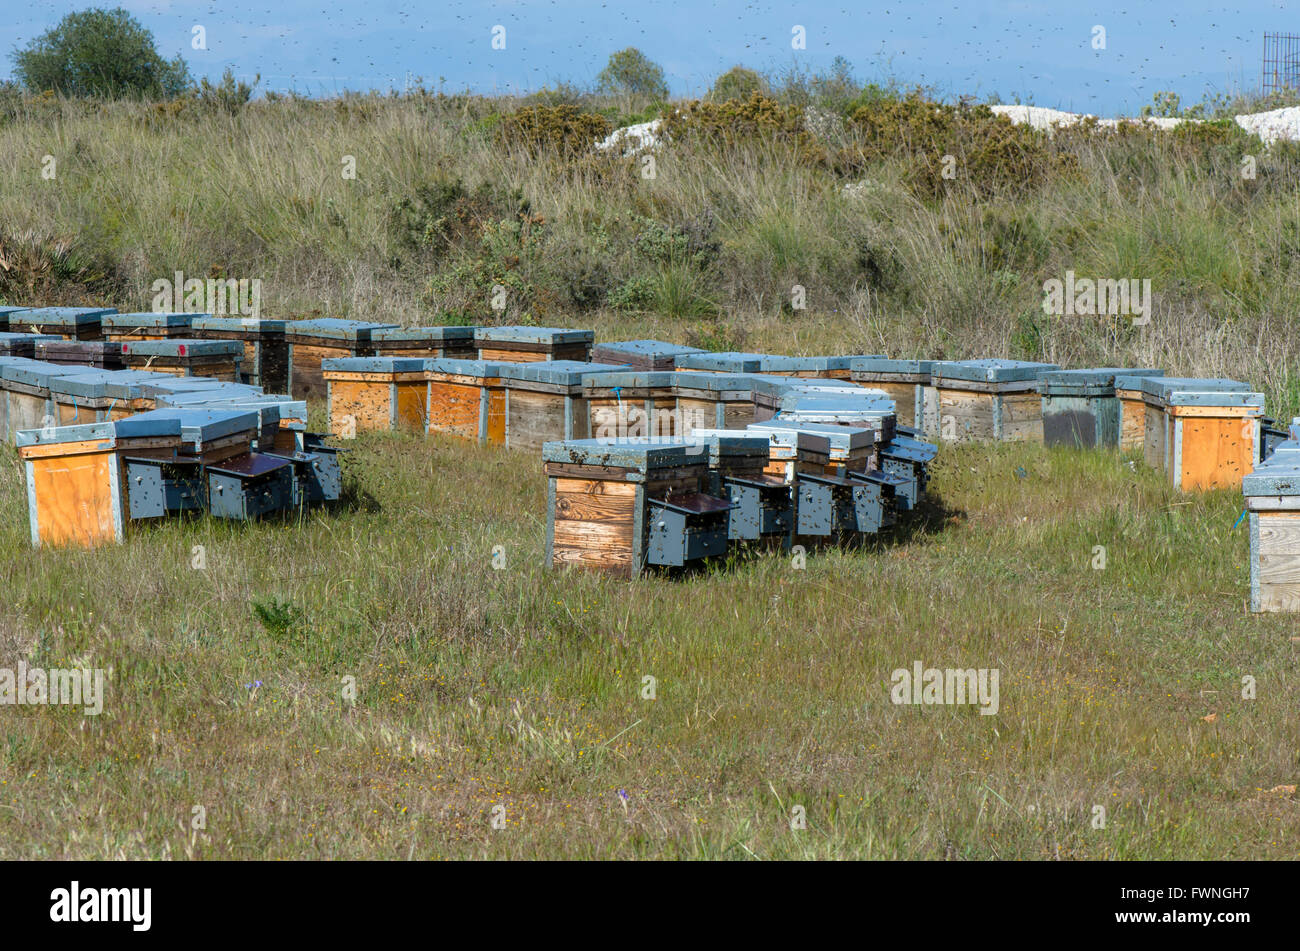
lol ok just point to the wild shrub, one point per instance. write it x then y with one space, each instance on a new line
564 130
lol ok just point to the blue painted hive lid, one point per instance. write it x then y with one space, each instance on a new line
989 371
146 319
1130 381
7 310
66 316
475 368
561 372
374 364
726 362
722 443
862 402
543 335
91 386
424 334
1089 381
790 438
334 328
1225 398
204 425
10 336
642 350
839 438
167 384
1162 386
54 435
616 376
640 454
696 381
40 374
183 347
886 365
781 364
230 324
1274 478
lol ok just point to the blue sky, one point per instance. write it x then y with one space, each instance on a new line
1041 52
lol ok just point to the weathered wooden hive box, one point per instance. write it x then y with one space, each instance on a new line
619 507
908 384
627 404
428 343
83 353
77 486
70 323
859 408
989 400
211 434
1157 426
266 354
762 504
1272 495
147 326
27 392
467 398
214 359
1081 409
21 344
848 448
643 355
533 344
726 362
825 368
8 313
770 389
1213 439
1132 411
367 394
282 420
97 397
791 452
545 401
712 401
312 341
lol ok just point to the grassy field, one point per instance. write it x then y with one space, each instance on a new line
522 688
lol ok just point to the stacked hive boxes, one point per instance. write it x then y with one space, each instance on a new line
532 344
989 400
71 323
147 326
312 341
908 384
265 361
645 355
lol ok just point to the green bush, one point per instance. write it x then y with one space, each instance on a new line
564 130
630 72
100 52
736 83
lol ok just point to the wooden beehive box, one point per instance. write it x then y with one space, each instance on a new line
1213 438
456 343
630 404
908 384
76 487
769 390
545 401
824 368
599 499
712 401
467 398
1080 408
70 323
1272 495
22 345
848 448
861 407
1156 426
104 396
282 420
762 503
643 355
532 344
266 354
8 313
726 362
989 400
84 353
312 341
147 326
27 392
1132 410
366 394
185 356
209 434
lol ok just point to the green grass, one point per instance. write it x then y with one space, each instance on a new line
522 688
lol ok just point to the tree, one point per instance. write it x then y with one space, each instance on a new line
737 83
100 52
631 73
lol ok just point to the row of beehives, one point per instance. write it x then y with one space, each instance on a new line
619 506
280 355
102 449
